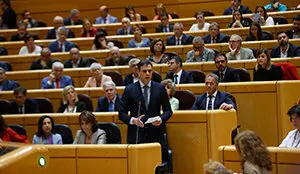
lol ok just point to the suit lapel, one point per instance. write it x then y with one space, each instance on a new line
216 100
140 94
152 91
183 39
182 77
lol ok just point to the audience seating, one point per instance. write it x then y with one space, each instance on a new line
289 71
198 76
87 100
186 99
280 20
65 132
113 133
243 74
6 66
4 105
116 77
45 105
19 129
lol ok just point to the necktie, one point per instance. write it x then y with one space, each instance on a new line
145 94
166 29
209 106
175 79
59 47
214 40
178 41
104 21
221 77
111 107
57 84
21 110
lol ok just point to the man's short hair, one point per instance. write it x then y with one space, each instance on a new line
27 37
58 18
177 59
133 62
73 12
2 69
45 50
20 89
280 32
144 62
62 29
125 19
94 66
6 2
109 83
214 24
23 13
236 37
213 76
57 65
297 17
198 39
219 55
179 24
294 110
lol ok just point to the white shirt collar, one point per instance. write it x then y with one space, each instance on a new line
214 94
284 55
113 100
142 84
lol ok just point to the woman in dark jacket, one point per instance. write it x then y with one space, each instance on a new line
255 33
238 21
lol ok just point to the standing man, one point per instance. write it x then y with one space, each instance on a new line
105 17
145 99
9 17
111 100
177 74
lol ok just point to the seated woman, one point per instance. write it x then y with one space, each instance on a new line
98 78
267 20
157 49
9 135
171 90
131 14
70 102
201 24
89 133
45 133
255 33
100 42
138 41
292 140
264 69
30 47
238 21
159 9
255 158
87 29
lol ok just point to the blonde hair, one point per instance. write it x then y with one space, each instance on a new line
215 167
65 92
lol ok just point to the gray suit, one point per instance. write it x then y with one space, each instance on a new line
246 53
98 137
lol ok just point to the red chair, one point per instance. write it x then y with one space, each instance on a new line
289 71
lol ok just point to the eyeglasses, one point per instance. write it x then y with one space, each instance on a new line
220 61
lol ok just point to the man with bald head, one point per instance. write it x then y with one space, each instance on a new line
58 21
76 61
116 58
105 17
45 62
179 38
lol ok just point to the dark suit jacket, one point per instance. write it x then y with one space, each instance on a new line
121 31
65 81
31 107
103 104
294 51
81 106
122 61
83 62
54 46
51 34
67 21
230 75
159 99
243 9
221 38
8 85
290 33
37 64
185 40
160 28
222 97
186 77
9 18
129 79
17 37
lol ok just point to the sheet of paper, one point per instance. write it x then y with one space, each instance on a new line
152 119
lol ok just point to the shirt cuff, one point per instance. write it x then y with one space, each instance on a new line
49 83
131 121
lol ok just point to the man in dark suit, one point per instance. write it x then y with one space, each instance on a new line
179 37
145 99
214 35
74 18
177 74
295 32
61 44
224 72
116 58
164 25
111 101
9 17
28 21
213 99
45 62
126 27
22 104
236 5
6 85
22 32
76 61
285 49
58 21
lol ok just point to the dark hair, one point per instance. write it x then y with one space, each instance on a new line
265 51
259 31
88 117
198 13
177 59
40 131
129 7
20 89
6 2
233 20
27 37
163 14
144 62
294 110
220 54
280 32
23 14
3 126
297 17
154 42
22 25
265 11
96 43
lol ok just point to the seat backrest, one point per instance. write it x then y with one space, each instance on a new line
174 15
243 74
18 128
3 51
92 60
234 100
65 132
198 76
45 105
113 133
87 100
156 77
289 71
208 13
41 24
144 18
279 20
6 66
269 33
4 105
115 76
117 43
186 99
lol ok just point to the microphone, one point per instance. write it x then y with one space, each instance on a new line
137 129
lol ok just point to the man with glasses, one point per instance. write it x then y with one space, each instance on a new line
164 25
76 60
45 62
179 38
126 27
199 53
237 52
58 21
214 35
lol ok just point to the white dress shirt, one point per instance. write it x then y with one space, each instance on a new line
178 76
284 55
292 139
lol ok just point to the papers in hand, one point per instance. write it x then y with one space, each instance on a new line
153 119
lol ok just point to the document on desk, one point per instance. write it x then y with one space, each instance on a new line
153 119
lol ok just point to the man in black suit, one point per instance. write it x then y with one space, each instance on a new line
179 37
22 104
214 35
76 61
145 99
116 58
213 99
285 49
111 101
58 21
74 18
295 32
177 74
6 85
9 17
164 25
126 27
224 72
45 62
236 5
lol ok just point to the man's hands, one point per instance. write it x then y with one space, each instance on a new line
156 123
226 106
138 122
51 77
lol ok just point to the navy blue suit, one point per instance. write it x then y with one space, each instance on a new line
221 38
67 21
294 51
186 77
229 76
129 79
121 31
54 46
185 40
221 97
242 9
31 107
103 104
65 81
8 85
51 34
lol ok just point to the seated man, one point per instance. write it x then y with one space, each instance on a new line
105 17
74 18
237 52
236 5
58 21
213 99
224 72
6 85
214 35
285 49
275 5
177 74
45 62
179 37
56 79
22 104
19 36
126 27
116 58
110 102
76 61
295 32
199 53
9 17
61 44
27 20
164 25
